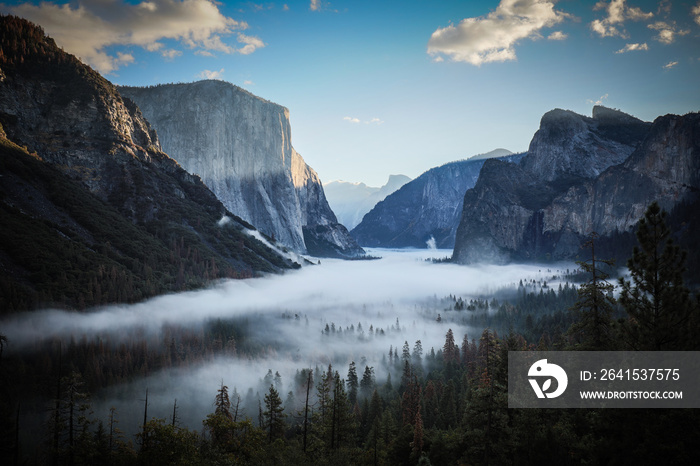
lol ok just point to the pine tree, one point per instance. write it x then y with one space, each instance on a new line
448 351
309 382
223 403
342 425
353 383
417 358
593 329
406 352
367 382
273 416
656 300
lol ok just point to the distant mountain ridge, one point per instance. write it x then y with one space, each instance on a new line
428 207
581 174
240 145
351 201
494 154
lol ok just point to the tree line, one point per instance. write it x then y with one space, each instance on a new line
448 406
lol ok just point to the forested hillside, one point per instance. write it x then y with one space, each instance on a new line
93 212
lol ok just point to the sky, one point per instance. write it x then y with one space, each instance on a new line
397 87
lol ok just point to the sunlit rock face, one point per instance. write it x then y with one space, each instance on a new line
240 145
580 175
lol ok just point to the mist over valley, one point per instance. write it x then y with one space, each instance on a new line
333 313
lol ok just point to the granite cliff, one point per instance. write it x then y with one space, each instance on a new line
241 147
428 207
580 175
93 210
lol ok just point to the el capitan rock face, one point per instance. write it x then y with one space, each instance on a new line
428 207
240 145
581 175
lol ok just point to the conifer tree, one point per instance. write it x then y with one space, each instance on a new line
353 383
367 382
273 416
593 329
448 350
342 425
223 403
656 300
406 352
417 358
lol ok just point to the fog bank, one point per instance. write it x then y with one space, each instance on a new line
333 313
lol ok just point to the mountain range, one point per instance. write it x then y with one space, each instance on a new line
351 201
428 207
580 175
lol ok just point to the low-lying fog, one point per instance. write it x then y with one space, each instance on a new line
399 297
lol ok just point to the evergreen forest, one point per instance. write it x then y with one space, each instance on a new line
427 402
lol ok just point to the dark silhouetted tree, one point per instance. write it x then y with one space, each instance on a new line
273 416
656 300
353 383
593 329
223 403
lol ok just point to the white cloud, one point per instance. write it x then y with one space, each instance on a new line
248 82
670 65
124 58
557 35
150 6
600 101
667 31
251 44
87 29
285 7
492 38
208 74
633 47
315 5
696 13
171 54
618 12
373 121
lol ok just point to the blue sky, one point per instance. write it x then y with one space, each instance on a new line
386 87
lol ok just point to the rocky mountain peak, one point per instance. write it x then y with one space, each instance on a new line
569 147
612 115
580 175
